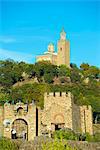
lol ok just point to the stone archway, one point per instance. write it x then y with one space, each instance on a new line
21 128
59 118
58 122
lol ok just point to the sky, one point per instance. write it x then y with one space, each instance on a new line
28 26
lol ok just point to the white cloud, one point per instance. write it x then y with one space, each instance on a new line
17 56
6 39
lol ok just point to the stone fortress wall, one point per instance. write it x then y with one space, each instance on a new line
21 112
59 112
59 108
86 119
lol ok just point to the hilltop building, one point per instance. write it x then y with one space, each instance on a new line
60 112
63 52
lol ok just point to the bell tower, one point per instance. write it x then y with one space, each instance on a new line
63 57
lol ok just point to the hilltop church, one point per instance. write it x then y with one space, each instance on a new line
62 57
25 121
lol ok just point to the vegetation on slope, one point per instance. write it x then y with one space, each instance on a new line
83 82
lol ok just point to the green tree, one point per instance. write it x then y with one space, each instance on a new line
73 66
84 66
48 77
75 76
10 73
63 71
94 72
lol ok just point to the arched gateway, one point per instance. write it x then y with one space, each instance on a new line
25 121
20 127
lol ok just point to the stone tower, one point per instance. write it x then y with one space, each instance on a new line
59 112
63 50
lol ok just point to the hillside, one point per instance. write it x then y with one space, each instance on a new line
27 82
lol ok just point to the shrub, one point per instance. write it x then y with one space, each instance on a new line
56 145
65 134
68 134
97 137
89 137
7 144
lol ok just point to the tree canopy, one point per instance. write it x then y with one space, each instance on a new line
72 79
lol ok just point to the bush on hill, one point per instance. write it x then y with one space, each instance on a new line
70 80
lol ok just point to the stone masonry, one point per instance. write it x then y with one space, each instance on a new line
20 112
59 112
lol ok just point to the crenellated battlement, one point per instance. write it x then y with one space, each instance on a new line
58 94
62 99
59 111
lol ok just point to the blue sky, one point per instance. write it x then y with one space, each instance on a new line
28 26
